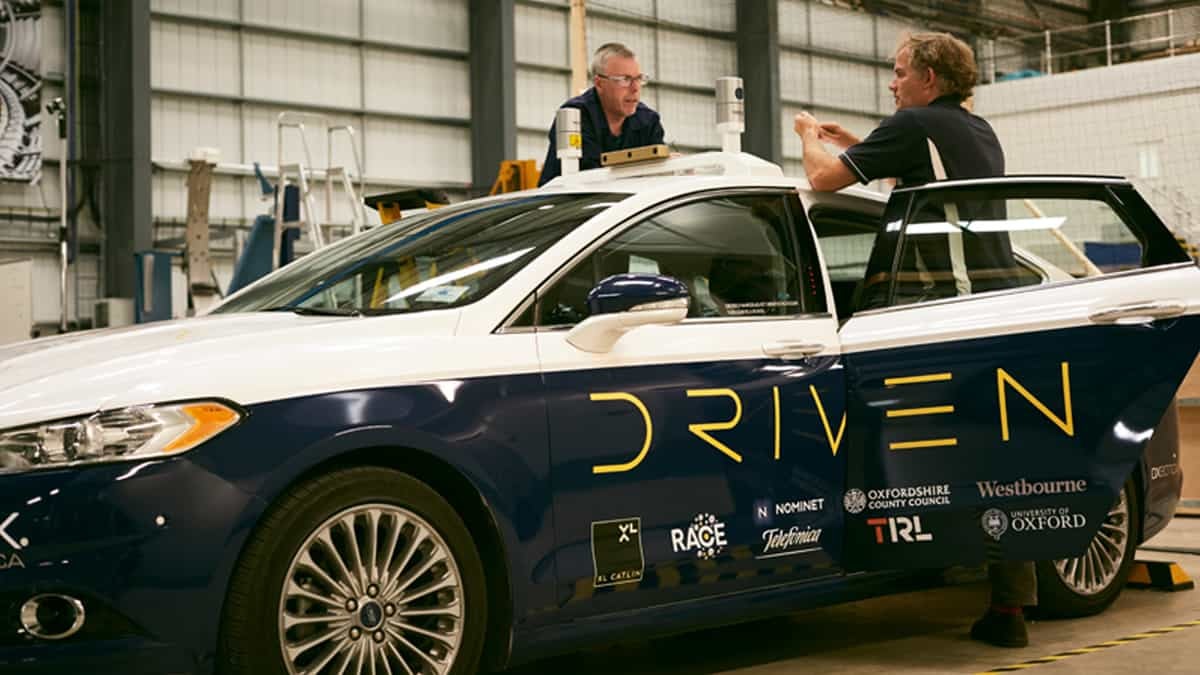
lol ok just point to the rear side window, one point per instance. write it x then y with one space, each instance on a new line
971 241
737 254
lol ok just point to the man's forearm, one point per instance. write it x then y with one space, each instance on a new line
822 168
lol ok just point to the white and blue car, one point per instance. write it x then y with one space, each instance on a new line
637 400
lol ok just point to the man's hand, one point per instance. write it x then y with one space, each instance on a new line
806 123
832 132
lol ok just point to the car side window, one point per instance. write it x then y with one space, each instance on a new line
959 243
735 253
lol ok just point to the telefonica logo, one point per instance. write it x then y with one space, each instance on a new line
1024 488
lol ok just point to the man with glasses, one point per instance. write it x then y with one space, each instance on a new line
611 114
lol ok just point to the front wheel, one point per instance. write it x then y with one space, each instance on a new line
365 570
1074 587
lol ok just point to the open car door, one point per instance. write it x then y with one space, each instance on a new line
995 413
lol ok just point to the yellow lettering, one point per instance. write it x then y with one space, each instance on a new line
1067 425
637 403
775 394
914 445
918 379
703 428
833 442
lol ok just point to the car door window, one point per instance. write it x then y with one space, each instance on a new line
736 254
963 242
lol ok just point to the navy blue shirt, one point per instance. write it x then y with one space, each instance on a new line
897 148
643 127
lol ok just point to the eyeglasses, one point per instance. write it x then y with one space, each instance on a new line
626 80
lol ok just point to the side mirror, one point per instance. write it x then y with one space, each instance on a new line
625 301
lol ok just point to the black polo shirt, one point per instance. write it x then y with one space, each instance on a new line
897 148
643 127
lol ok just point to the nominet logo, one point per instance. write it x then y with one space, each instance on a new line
899 529
1024 488
765 510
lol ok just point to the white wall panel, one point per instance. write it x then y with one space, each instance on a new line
712 14
636 37
181 124
844 84
843 30
688 119
52 40
887 102
539 94
419 23
187 57
532 145
308 71
888 32
421 85
643 8
692 59
541 36
793 22
221 9
418 152
337 17
793 75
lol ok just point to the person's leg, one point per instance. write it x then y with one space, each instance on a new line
1014 586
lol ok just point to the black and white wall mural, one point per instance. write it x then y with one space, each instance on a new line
20 89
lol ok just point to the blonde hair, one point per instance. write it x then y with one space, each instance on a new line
606 52
950 58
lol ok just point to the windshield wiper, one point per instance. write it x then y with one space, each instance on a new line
315 311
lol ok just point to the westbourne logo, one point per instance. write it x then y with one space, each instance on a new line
1024 488
995 523
854 501
705 536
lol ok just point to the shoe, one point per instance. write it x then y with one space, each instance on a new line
1001 630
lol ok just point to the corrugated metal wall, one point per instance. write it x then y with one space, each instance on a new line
222 71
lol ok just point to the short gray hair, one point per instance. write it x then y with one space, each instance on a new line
606 52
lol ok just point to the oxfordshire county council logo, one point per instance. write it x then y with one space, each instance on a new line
854 501
995 523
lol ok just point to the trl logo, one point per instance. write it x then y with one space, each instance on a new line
906 529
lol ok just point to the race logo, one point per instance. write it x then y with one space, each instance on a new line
899 529
778 542
995 523
855 501
617 552
1164 471
1024 488
705 536
910 497
765 510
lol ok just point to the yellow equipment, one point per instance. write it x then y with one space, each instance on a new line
516 175
391 204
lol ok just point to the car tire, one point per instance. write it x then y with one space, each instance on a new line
1087 585
363 563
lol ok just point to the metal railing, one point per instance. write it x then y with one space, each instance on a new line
1104 43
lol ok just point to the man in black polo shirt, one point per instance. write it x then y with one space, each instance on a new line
935 73
611 114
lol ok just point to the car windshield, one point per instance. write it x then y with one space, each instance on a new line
450 257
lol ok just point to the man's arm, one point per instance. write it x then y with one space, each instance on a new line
826 173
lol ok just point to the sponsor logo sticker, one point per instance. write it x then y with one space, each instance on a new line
899 530
766 510
995 523
1025 488
617 556
778 542
855 501
705 535
1164 471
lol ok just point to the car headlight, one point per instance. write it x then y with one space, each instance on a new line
137 432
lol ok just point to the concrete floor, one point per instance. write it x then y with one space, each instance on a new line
924 632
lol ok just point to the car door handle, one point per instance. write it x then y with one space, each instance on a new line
792 349
1139 312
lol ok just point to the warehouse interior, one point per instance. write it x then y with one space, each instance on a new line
143 141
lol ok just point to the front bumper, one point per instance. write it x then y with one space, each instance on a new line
148 548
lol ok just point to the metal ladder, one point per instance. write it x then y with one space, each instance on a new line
301 173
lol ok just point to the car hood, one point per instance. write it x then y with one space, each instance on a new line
243 357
